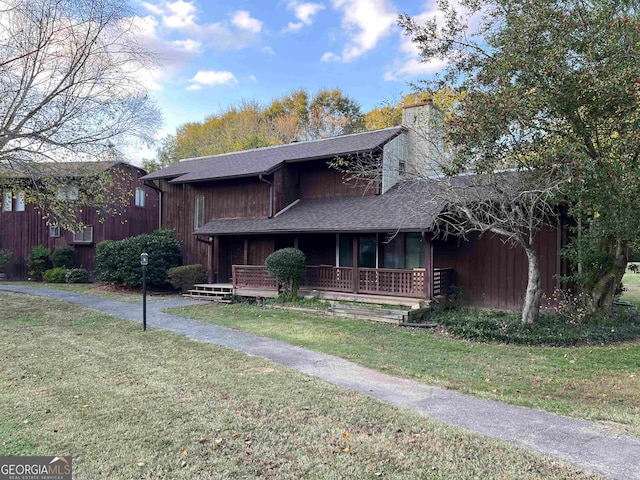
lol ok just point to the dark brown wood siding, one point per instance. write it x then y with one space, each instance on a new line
238 198
494 274
20 231
286 185
318 181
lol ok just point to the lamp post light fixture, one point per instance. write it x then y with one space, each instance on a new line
144 261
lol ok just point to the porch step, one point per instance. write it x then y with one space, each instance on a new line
376 313
218 292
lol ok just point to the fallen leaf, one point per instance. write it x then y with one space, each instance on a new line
345 435
140 464
185 452
235 435
218 441
85 405
345 449
202 440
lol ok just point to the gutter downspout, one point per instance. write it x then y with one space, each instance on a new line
262 179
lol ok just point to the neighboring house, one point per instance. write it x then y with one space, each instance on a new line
23 225
232 210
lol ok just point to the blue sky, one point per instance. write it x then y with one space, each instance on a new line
215 53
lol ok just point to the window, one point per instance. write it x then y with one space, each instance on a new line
414 257
345 251
83 235
68 193
367 251
198 214
140 196
7 201
20 202
54 231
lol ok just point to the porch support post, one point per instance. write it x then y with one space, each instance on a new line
246 251
215 261
356 275
428 270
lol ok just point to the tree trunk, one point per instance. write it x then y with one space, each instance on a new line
531 307
603 293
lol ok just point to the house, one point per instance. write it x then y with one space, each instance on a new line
232 210
24 225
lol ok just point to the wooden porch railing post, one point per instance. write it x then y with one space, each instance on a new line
233 275
428 270
215 261
356 272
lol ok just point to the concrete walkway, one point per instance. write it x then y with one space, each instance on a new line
585 444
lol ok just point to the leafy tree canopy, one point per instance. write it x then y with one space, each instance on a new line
551 86
297 116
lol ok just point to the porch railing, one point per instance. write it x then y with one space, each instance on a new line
377 281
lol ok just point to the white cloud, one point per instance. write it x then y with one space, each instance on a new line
329 57
194 87
179 14
243 20
304 12
188 45
155 9
366 22
210 78
252 79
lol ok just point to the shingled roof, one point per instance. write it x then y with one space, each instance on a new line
405 207
265 160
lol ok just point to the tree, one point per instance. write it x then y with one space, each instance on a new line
70 87
551 87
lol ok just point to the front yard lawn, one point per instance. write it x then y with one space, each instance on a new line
597 382
128 404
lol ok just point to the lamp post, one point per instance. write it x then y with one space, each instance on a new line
144 261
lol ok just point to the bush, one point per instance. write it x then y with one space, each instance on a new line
6 256
288 266
38 261
186 276
55 275
118 262
551 330
62 257
77 275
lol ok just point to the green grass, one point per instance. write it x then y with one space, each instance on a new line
631 283
600 383
128 404
110 292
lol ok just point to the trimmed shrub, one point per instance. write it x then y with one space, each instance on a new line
55 275
288 266
6 256
77 275
118 262
38 261
185 277
62 257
